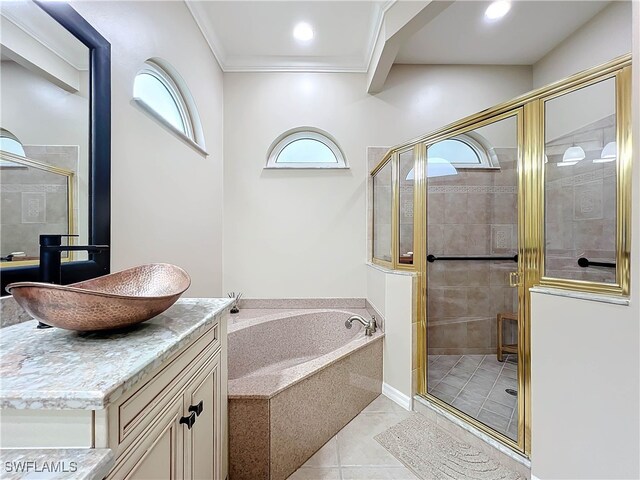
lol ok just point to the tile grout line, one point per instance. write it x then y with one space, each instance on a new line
492 387
470 377
448 372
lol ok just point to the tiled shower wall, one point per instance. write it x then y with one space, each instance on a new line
581 206
472 213
34 201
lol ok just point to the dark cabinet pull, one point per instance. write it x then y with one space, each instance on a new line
189 421
197 409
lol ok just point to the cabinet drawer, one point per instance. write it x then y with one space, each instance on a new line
137 410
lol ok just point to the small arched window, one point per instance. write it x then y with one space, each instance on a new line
305 148
468 150
162 93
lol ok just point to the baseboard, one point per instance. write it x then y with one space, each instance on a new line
397 396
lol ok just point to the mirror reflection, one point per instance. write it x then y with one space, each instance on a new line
581 184
472 242
407 180
44 145
382 209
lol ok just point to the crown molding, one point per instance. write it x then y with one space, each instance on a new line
207 31
288 64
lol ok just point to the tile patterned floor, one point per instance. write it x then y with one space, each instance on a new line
353 454
476 385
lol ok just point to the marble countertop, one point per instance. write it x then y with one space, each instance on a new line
56 464
62 369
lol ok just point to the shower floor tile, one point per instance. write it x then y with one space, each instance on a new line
476 385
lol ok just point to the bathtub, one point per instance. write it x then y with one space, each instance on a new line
295 379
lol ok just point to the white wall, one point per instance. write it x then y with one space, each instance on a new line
606 36
585 379
302 233
391 294
166 197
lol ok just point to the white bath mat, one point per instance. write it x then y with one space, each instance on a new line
433 454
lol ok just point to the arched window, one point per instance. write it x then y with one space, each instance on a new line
305 148
468 150
10 143
162 93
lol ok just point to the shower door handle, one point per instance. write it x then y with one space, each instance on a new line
514 279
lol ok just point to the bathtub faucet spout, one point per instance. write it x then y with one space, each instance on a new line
369 327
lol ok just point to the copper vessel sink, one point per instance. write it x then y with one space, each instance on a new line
104 303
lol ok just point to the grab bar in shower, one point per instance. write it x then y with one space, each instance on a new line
433 258
585 262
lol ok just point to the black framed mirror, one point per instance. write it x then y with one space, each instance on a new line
95 226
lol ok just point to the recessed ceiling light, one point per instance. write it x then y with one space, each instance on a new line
497 9
303 32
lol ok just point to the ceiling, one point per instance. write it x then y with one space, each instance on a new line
257 35
36 23
461 35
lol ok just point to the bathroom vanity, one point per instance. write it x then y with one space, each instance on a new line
155 395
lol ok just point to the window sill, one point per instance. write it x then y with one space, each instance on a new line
310 167
406 273
158 118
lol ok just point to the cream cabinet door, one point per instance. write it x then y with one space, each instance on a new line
159 453
203 442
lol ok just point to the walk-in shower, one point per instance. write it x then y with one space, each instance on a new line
533 193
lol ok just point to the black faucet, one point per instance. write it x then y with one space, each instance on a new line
50 258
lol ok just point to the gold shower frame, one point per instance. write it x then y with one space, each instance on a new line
529 111
28 162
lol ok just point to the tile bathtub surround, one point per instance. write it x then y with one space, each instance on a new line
476 384
11 313
353 453
94 369
56 464
298 427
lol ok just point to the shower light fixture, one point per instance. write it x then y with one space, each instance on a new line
572 156
609 153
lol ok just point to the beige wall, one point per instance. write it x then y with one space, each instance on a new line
166 197
585 379
303 233
605 36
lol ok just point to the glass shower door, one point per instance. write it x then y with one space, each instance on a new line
473 292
